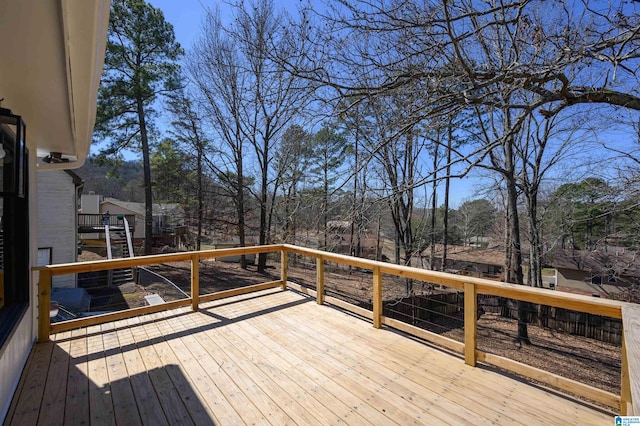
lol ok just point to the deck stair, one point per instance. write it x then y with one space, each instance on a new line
119 245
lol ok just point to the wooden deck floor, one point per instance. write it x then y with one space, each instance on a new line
268 358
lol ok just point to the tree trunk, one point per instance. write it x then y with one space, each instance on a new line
447 184
535 241
354 207
508 271
146 168
397 249
199 194
378 250
434 205
515 246
262 257
240 206
325 204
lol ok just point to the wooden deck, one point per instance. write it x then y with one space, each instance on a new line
274 357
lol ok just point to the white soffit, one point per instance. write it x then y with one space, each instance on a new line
51 60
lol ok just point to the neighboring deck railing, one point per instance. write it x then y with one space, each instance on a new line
628 402
89 223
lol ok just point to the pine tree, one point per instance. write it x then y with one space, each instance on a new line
140 64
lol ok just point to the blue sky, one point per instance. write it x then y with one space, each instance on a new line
186 17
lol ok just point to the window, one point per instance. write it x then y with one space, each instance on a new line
14 242
44 256
596 279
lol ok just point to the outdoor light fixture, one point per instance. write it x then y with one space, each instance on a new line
55 158
13 154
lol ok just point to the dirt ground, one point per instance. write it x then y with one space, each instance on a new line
578 358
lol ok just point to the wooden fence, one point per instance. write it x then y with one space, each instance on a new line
442 311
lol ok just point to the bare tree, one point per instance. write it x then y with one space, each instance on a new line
395 155
511 60
217 71
274 97
250 98
542 144
475 219
584 51
188 130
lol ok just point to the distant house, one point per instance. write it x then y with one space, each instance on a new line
599 272
165 216
232 243
468 260
58 193
479 241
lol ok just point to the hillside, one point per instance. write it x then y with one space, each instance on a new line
123 182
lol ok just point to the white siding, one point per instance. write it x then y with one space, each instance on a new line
114 209
57 220
13 357
90 203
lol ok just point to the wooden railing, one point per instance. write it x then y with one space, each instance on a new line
91 222
627 403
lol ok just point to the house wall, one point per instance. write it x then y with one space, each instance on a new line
581 280
57 220
90 204
114 209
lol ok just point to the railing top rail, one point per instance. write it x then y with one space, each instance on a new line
604 307
101 265
597 306
92 220
101 215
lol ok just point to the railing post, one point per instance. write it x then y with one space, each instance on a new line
195 282
283 268
320 280
631 358
625 384
470 321
44 305
377 297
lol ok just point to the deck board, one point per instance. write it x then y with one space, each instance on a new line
147 400
426 371
381 377
77 399
222 410
170 401
56 385
100 402
124 404
28 407
468 382
195 406
273 357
